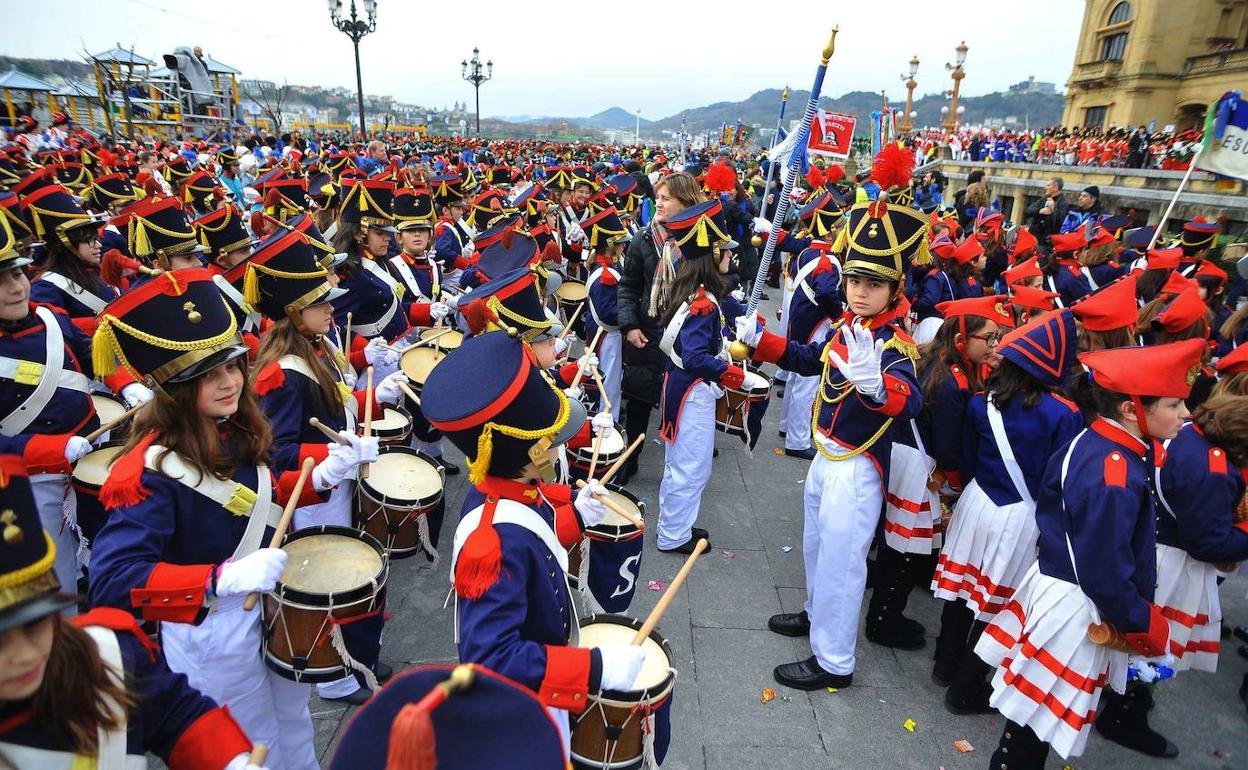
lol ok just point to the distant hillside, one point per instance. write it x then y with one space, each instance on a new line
47 69
762 107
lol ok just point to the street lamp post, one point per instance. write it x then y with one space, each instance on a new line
472 72
637 132
907 122
355 28
957 73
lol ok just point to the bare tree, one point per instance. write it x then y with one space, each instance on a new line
269 97
122 79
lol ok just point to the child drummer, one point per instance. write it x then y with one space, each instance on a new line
514 611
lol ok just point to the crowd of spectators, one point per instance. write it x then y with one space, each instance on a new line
1062 146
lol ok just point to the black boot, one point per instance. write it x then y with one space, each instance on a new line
885 623
1124 720
970 689
1019 749
955 626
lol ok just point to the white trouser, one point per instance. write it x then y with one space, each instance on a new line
843 503
687 467
335 511
799 399
57 506
221 658
610 362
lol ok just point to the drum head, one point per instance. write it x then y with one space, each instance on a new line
572 291
403 476
655 676
447 340
330 563
107 408
755 384
93 468
416 363
615 526
391 420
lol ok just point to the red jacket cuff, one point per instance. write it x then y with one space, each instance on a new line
732 377
209 742
174 592
953 479
286 487
566 684
1242 526
121 379
896 391
567 373
583 438
770 348
361 398
318 453
1153 642
357 357
418 314
46 453
568 527
461 263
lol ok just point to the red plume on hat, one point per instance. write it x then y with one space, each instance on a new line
478 316
893 167
833 174
108 159
720 178
815 178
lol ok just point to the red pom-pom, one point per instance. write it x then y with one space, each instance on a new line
272 198
720 178
814 178
893 167
259 225
833 174
108 159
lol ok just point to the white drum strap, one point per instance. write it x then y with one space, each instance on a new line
49 376
1091 280
589 284
112 743
409 279
1051 282
383 274
368 331
293 363
1070 549
233 497
668 342
74 290
1007 453
805 272
251 316
1161 496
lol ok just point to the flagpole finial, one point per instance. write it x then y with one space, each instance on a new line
784 97
831 46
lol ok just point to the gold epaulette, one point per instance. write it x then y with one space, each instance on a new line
907 347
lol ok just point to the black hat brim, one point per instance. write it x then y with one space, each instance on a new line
39 607
577 415
205 365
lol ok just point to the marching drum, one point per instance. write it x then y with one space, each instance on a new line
732 409
333 575
90 473
417 362
109 408
447 340
393 426
614 729
609 451
571 294
403 485
615 553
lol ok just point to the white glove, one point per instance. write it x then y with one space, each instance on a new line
587 363
573 394
738 295
602 423
257 572
561 346
349 377
575 233
863 368
135 394
749 330
439 310
762 225
343 459
469 249
450 300
621 663
75 448
593 511
388 391
378 353
240 763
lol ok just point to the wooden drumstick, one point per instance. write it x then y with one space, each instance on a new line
368 417
656 614
593 459
113 423
329 432
259 753
408 391
434 337
346 339
613 505
1106 635
580 371
279 532
610 474
571 320
602 392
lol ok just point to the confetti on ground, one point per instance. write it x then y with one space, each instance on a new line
786 698
729 554
909 724
786 548
768 695
833 690
963 746
778 452
802 480
654 585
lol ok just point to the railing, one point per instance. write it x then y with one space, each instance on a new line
1234 59
1096 70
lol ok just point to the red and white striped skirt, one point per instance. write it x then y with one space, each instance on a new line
910 508
1187 593
987 550
1049 674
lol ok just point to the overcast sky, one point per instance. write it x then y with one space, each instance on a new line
574 58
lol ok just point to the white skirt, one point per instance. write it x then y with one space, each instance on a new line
987 550
1049 674
910 508
1187 593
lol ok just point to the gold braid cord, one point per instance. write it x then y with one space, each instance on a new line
480 465
107 351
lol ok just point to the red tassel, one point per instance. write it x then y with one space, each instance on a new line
720 178
481 558
412 742
124 485
259 225
893 167
108 159
551 253
272 198
113 264
270 379
478 316
701 304
508 235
